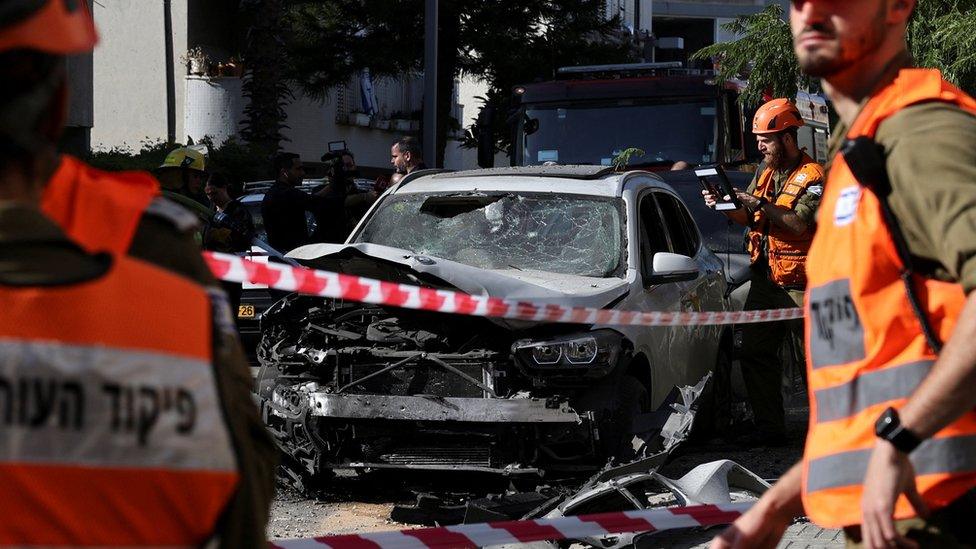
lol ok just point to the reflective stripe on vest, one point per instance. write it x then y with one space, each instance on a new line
932 457
786 252
869 389
98 210
865 348
112 432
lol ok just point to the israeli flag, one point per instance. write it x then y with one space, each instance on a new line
366 92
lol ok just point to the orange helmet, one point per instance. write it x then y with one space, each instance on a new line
775 116
58 27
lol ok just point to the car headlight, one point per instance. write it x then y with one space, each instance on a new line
595 348
543 353
581 351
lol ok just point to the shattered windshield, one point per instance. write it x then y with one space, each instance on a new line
565 234
596 133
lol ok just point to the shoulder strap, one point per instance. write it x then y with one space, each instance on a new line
192 206
865 159
763 185
910 87
180 217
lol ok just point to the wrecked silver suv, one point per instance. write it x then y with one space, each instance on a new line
345 385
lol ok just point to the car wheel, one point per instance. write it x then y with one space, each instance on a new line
631 401
715 402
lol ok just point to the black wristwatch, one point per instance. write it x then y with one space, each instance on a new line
889 427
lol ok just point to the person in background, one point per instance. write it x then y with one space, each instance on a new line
406 156
284 205
381 184
183 175
338 195
357 201
384 182
779 207
230 229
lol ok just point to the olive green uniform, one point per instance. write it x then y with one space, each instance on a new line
36 251
930 152
762 344
168 242
930 155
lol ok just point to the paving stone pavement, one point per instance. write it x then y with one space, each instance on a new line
801 535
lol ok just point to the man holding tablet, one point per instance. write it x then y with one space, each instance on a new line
779 208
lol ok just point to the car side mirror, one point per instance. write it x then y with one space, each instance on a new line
669 267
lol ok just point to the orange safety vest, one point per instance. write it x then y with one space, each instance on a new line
787 252
98 210
865 348
112 431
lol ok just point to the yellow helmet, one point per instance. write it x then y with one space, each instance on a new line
185 157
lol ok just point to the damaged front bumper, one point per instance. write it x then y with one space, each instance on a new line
323 430
424 408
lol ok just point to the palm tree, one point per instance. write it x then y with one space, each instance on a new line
264 85
942 34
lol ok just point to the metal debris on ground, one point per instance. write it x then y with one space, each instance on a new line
633 486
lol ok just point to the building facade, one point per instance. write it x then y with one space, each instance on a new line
120 92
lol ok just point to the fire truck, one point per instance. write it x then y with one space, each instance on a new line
589 114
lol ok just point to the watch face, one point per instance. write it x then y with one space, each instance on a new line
885 424
889 428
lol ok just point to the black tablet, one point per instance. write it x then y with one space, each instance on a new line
714 180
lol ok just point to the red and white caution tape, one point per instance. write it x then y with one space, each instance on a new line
368 290
525 531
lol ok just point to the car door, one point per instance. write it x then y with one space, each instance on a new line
704 293
665 347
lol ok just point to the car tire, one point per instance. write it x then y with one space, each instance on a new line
712 418
615 401
632 400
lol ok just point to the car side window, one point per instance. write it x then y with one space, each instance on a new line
654 236
681 228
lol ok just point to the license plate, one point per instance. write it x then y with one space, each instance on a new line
245 311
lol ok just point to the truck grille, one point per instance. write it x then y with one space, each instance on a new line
472 457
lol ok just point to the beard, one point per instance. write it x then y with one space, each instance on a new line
821 64
830 59
775 160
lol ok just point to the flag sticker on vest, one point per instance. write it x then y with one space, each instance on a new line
835 332
846 207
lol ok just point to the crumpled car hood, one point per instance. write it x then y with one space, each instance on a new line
537 286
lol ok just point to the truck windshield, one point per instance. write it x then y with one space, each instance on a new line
557 233
596 133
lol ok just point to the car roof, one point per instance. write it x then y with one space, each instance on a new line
259 186
574 171
570 179
254 191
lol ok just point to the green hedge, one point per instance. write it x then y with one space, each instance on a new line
149 156
241 161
